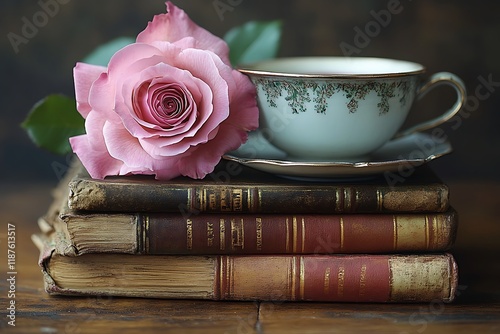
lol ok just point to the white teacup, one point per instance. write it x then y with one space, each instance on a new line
339 108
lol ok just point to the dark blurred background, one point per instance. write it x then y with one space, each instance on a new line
448 35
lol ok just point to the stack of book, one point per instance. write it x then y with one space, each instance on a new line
250 236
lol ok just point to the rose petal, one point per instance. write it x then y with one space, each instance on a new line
203 160
102 98
93 127
122 146
170 171
98 163
143 128
131 130
244 109
84 76
143 54
208 68
175 25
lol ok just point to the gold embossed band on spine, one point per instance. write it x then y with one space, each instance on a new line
287 236
222 234
303 235
341 234
189 234
380 201
292 276
145 233
294 234
302 278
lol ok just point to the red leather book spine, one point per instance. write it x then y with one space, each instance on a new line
295 234
340 278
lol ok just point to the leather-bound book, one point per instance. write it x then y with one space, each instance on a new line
325 278
240 189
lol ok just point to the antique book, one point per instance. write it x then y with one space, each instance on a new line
230 233
234 233
239 189
327 278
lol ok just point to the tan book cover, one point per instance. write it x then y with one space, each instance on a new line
327 278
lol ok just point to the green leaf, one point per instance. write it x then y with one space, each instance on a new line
102 54
253 41
52 121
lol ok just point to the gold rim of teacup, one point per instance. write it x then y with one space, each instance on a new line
252 69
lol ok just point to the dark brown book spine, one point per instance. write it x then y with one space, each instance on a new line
295 234
223 198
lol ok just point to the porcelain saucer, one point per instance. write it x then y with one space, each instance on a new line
397 155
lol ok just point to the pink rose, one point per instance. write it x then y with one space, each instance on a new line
169 104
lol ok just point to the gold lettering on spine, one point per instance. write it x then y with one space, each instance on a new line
294 233
225 200
340 281
222 234
341 234
189 233
237 200
237 234
326 281
258 224
210 234
212 202
362 280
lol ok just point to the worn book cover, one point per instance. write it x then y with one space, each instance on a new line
239 189
326 278
167 233
250 233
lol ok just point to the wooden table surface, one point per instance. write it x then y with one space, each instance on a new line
476 309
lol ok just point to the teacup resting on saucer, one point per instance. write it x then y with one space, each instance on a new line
339 108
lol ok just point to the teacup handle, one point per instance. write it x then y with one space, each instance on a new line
439 79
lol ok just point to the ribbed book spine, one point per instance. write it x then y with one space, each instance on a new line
222 198
323 278
295 234
367 278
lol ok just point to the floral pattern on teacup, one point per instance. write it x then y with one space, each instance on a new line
298 93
